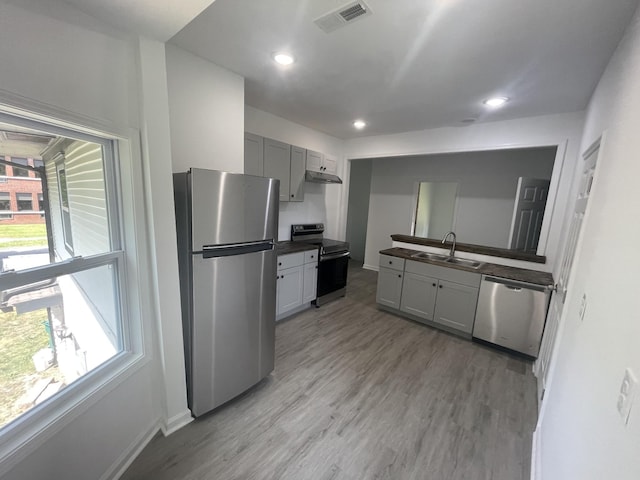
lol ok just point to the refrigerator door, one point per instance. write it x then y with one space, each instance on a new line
230 208
233 336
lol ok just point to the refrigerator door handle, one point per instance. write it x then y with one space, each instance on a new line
213 251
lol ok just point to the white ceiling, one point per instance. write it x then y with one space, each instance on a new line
411 65
159 19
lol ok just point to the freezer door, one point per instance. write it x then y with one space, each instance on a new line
232 208
233 334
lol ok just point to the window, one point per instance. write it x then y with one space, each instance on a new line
62 314
38 163
25 201
17 171
5 206
5 201
3 169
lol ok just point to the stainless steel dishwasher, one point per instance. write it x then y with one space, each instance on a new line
511 314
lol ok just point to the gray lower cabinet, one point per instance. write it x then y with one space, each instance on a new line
430 293
390 281
456 306
389 287
419 295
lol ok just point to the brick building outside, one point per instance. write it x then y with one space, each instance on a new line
21 200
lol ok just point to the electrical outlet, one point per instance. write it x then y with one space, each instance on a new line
583 306
627 394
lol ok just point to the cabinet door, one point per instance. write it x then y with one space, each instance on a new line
277 164
289 294
253 154
330 165
419 295
456 306
310 282
314 161
389 287
296 183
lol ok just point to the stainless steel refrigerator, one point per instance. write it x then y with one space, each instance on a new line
227 225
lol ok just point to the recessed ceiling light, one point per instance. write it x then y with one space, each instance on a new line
496 101
283 58
359 124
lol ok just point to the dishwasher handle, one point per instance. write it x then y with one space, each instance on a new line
515 285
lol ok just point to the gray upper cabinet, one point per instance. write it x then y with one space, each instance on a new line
265 157
253 154
297 171
277 164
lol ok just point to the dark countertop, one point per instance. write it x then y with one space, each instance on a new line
467 247
511 273
288 246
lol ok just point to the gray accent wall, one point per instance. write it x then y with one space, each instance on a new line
358 209
486 193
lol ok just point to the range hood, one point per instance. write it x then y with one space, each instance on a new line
319 177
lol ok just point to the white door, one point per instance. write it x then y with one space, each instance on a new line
531 200
559 297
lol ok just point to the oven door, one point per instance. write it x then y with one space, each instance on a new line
332 272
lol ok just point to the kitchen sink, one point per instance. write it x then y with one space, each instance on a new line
430 256
447 259
464 262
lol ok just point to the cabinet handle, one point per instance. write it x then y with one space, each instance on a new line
316 267
399 276
279 264
292 195
434 284
440 286
390 262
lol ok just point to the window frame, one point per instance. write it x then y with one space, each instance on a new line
128 251
65 211
18 200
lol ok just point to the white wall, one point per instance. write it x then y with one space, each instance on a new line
487 183
59 62
322 203
580 433
206 106
548 130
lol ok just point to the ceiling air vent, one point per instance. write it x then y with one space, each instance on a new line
340 17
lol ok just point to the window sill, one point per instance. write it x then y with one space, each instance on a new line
27 433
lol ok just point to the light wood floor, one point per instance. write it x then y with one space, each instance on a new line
358 393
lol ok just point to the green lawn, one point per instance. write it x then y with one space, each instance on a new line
20 337
28 235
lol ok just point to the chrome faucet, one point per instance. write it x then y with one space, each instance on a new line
453 245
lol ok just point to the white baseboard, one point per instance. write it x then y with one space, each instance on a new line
536 460
371 267
176 422
130 454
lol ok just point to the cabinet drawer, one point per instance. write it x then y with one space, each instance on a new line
290 260
393 263
445 273
311 256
